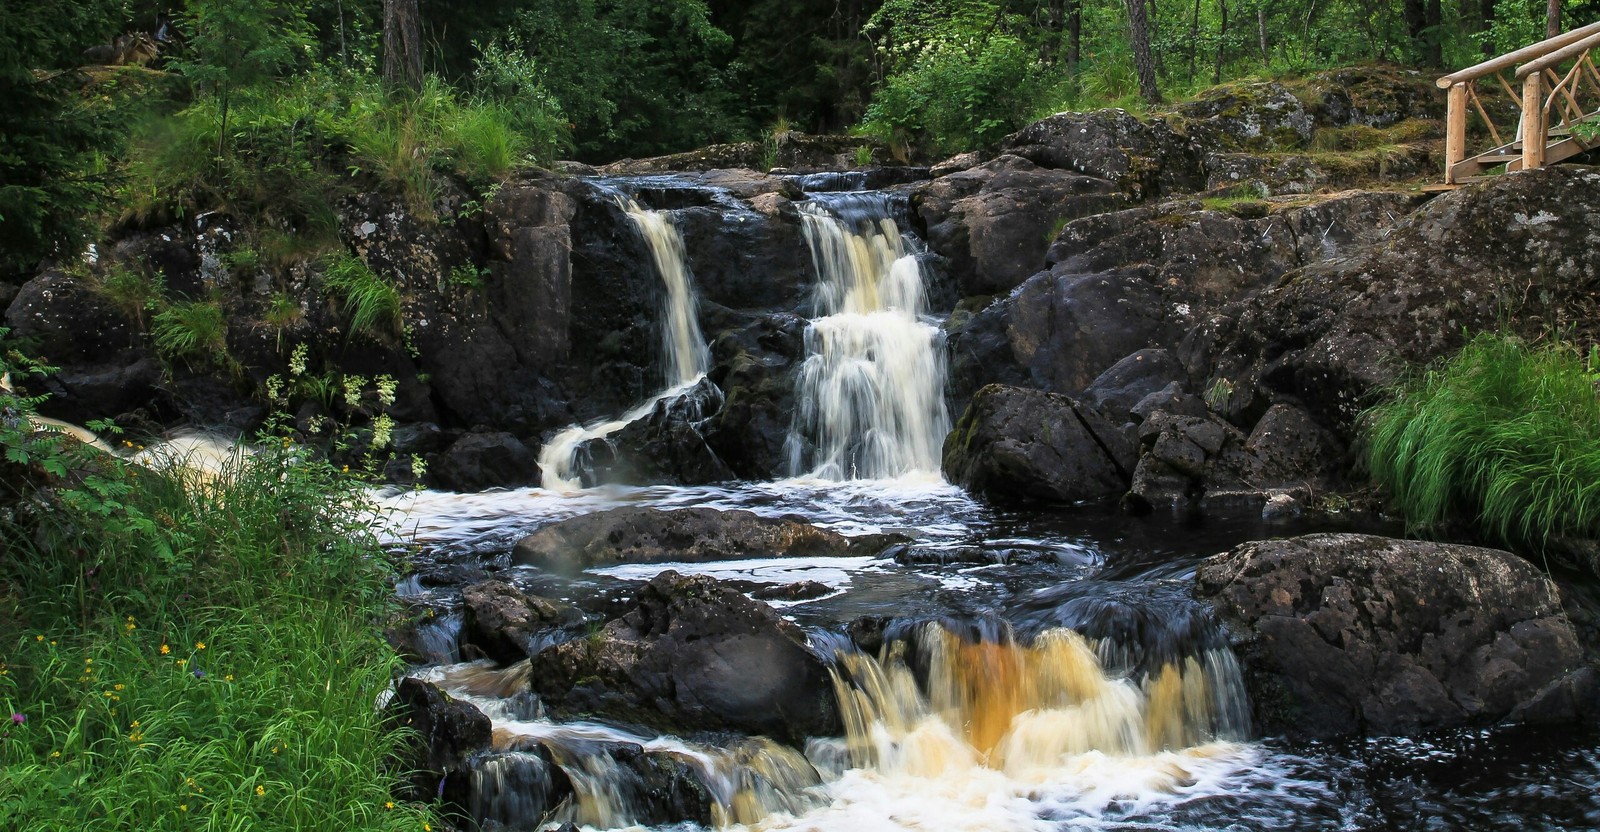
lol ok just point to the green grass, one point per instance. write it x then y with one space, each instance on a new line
134 292
1504 437
194 331
198 654
372 303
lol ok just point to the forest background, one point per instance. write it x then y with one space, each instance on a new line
272 110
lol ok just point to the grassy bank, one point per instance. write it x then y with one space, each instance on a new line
1504 439
194 654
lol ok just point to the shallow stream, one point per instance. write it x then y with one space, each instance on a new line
974 739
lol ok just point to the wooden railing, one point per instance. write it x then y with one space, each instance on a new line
1549 99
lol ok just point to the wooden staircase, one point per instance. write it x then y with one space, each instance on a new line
1555 86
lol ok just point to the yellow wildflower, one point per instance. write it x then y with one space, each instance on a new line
116 687
38 638
183 807
165 650
199 645
228 678
261 791
388 804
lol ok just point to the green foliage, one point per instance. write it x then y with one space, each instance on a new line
193 651
637 77
134 292
194 331
1504 438
372 303
467 276
954 97
51 145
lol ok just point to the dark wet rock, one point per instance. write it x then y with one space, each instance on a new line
994 221
797 591
1192 460
1263 116
1020 445
1144 159
478 461
692 654
1202 259
687 535
503 621
512 787
1354 634
1116 391
1334 333
448 732
727 245
104 367
978 350
754 363
1067 328
666 446
1170 399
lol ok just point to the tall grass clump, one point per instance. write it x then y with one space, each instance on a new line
187 651
372 303
195 331
1504 437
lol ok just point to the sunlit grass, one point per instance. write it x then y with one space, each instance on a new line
181 655
1504 437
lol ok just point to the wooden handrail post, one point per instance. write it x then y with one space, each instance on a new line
1533 126
1455 137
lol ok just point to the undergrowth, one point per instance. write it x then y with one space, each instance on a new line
372 303
1504 438
186 652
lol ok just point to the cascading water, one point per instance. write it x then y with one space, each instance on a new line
685 357
989 730
871 391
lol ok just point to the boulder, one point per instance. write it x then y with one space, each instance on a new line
1143 159
754 363
1019 445
686 535
1192 460
1356 634
994 221
692 654
478 461
504 621
1066 328
666 446
448 732
1264 117
1116 391
1333 334
104 368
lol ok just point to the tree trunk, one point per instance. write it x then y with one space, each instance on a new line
402 44
1486 15
1139 34
1435 40
1194 39
1222 41
1075 35
1261 35
1552 18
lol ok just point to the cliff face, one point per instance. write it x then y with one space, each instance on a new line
1196 239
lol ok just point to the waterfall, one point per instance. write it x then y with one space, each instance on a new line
974 733
871 391
685 357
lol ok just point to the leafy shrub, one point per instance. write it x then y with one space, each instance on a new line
1504 437
952 98
372 303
